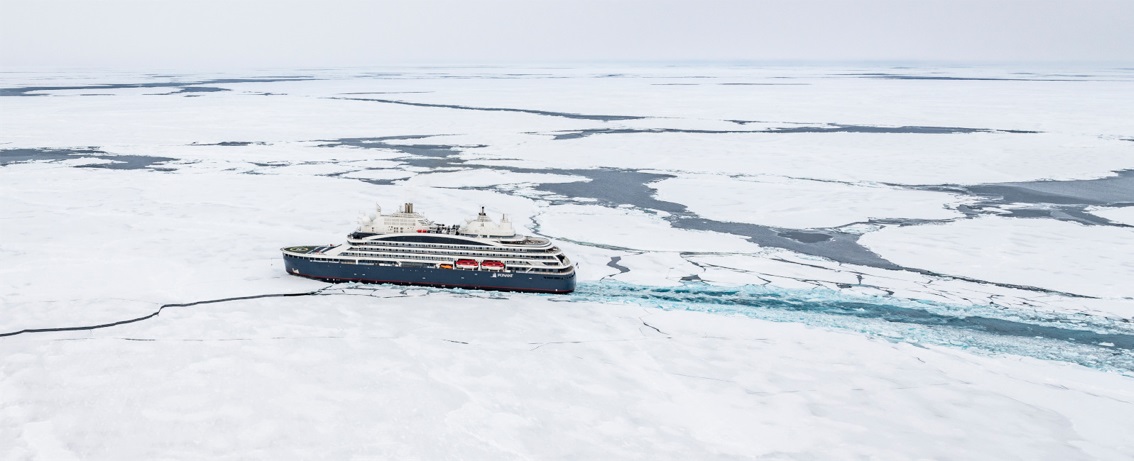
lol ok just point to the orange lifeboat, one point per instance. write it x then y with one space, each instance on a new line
492 265
466 264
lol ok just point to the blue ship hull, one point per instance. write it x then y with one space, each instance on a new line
339 271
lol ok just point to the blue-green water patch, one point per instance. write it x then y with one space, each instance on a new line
1087 340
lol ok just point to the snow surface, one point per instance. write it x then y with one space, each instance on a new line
1064 256
617 370
1123 215
393 375
802 204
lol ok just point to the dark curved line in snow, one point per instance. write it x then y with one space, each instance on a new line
153 314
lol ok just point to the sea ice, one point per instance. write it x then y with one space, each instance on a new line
801 204
1123 215
389 372
391 375
1056 255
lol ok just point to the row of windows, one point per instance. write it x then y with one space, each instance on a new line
427 238
326 260
478 254
455 252
387 243
546 271
422 258
442 259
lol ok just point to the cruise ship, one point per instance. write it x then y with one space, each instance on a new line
408 249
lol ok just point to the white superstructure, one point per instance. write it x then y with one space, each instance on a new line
408 239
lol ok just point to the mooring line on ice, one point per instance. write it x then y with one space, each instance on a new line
156 312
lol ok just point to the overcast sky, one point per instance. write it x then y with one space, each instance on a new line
208 34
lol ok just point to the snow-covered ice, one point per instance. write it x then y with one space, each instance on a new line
802 204
388 375
774 263
1123 215
1064 256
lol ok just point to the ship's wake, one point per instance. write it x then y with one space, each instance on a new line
1083 339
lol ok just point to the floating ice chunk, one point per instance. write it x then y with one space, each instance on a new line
84 161
378 174
311 169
